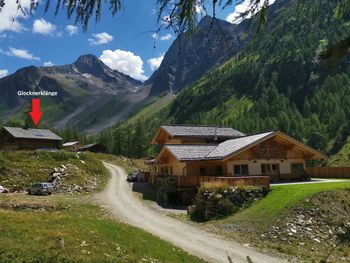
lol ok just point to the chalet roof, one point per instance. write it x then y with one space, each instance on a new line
190 152
37 134
88 146
234 145
67 144
201 131
228 148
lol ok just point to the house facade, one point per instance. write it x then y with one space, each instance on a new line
13 138
208 152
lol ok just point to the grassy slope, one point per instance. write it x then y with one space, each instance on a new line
342 158
24 168
31 236
249 224
279 200
152 107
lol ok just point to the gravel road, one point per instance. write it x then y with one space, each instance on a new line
121 201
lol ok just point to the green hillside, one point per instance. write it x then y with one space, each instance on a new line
277 82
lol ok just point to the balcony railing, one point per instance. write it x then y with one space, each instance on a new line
197 180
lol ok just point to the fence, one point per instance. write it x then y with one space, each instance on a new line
328 172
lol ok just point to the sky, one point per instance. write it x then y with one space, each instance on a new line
125 42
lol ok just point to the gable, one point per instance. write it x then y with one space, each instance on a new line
277 146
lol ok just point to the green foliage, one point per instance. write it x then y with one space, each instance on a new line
277 82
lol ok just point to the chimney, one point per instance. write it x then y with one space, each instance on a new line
216 134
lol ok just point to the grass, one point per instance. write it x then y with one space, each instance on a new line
342 158
129 165
23 168
280 199
89 235
153 106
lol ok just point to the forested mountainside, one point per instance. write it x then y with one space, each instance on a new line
276 82
90 94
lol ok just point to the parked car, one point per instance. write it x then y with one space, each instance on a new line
132 177
40 189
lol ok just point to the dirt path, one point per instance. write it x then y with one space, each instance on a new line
120 200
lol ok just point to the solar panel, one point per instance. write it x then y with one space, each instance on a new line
39 134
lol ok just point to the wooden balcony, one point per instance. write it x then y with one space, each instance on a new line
197 180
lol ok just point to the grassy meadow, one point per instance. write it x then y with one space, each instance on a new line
72 229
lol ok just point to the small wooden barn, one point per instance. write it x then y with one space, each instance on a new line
72 146
13 138
94 147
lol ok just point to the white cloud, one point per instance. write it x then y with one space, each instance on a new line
20 53
166 37
9 12
41 26
100 38
154 63
3 73
235 18
125 62
48 64
154 36
199 7
72 30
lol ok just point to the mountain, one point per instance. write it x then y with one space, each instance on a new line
91 96
190 56
275 82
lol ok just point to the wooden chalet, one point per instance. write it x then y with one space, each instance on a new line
12 138
197 155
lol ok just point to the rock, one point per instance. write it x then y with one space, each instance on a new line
83 244
63 166
317 240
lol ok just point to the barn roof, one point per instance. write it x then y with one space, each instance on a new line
67 144
36 134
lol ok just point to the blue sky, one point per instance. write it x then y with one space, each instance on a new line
124 42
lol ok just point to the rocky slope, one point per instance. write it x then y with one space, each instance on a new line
91 96
190 56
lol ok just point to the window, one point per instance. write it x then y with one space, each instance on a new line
244 169
166 170
162 170
240 169
268 168
171 169
202 171
237 169
218 170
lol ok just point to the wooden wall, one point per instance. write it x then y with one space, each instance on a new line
328 172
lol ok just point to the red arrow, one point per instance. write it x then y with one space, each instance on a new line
36 113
